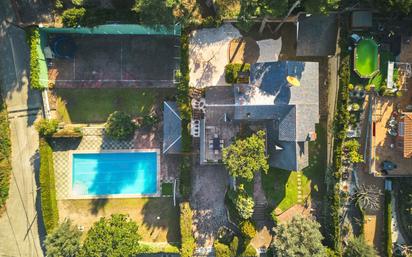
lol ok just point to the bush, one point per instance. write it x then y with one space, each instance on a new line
221 250
149 120
63 241
167 188
247 229
250 251
185 177
234 246
48 187
232 71
388 223
119 126
244 206
46 127
188 241
5 153
73 17
33 36
151 248
68 132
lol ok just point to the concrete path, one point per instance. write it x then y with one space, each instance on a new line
20 223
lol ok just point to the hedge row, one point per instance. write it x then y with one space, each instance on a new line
48 187
33 36
186 220
185 187
5 153
388 223
75 17
183 99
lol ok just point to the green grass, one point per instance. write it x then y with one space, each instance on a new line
366 59
48 188
88 105
5 153
167 188
281 186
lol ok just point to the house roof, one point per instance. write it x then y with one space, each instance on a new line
172 128
317 35
407 140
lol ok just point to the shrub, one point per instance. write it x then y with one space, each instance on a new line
232 71
151 248
68 132
48 187
244 206
149 120
73 17
46 127
185 177
34 41
351 87
388 223
119 126
221 250
188 241
5 153
250 251
167 188
234 246
63 241
247 229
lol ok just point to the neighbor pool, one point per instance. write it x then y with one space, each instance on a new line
366 58
118 173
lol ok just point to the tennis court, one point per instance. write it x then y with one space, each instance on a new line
117 61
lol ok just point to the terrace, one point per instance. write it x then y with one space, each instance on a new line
391 130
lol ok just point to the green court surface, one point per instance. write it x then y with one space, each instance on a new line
366 58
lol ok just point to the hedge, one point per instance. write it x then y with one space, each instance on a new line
183 99
47 187
33 36
5 154
185 177
232 71
186 220
148 248
388 223
75 17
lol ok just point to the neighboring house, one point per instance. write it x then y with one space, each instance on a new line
288 113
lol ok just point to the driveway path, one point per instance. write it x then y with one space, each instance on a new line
19 229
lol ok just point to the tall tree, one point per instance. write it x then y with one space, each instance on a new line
112 237
299 237
320 6
357 247
64 241
246 156
155 12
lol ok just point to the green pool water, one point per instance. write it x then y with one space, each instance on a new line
366 58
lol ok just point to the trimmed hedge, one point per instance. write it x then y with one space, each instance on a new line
183 99
232 71
187 238
75 17
5 154
388 223
33 36
185 177
48 188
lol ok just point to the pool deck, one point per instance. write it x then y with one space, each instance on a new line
94 141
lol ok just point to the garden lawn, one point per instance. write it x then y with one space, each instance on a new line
281 186
90 105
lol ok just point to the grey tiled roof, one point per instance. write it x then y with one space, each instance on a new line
317 35
172 128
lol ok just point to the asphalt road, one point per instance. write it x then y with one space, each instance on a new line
20 225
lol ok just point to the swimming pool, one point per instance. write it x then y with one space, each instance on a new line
366 58
117 173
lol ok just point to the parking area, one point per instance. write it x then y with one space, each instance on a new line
116 60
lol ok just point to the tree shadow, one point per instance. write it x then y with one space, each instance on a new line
159 213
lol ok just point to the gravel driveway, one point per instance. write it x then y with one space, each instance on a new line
207 201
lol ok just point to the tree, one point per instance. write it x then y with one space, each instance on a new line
120 126
244 206
73 17
155 12
247 229
112 237
186 221
246 156
357 247
393 6
321 6
299 237
263 8
352 149
46 127
64 241
367 196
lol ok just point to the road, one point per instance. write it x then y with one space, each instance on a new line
20 225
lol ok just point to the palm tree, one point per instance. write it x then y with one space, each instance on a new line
367 196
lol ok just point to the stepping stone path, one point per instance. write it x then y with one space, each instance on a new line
299 187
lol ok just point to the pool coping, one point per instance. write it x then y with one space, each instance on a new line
146 150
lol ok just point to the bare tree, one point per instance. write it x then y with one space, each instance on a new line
367 196
404 250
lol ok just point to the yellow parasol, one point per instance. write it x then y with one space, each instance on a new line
293 81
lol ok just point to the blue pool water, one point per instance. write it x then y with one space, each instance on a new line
114 173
